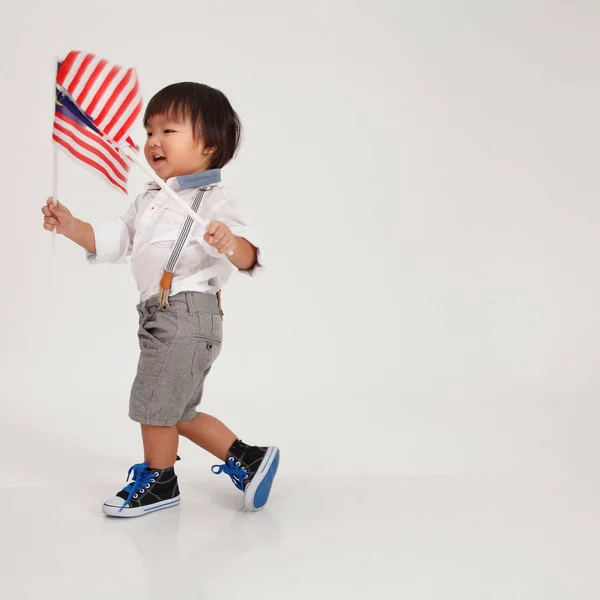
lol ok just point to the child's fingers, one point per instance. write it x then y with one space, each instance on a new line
50 210
213 227
223 243
215 239
218 238
57 209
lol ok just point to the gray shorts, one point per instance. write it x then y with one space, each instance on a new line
177 349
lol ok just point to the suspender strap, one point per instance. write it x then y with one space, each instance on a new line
184 236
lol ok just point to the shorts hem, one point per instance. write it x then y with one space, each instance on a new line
157 421
188 416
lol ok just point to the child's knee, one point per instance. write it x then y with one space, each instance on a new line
183 427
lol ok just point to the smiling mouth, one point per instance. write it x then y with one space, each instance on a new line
158 160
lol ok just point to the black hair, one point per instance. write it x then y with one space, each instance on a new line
212 116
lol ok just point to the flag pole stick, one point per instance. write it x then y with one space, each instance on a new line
54 193
55 168
134 158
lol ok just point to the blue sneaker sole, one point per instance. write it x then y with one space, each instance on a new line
258 490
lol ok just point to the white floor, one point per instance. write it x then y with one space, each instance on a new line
467 538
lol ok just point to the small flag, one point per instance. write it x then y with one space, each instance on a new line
97 102
75 133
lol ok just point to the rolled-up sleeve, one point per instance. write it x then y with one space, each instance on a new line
114 239
227 212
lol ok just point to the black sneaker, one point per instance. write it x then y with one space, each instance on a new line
252 470
150 490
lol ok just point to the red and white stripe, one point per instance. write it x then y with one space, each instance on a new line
88 148
108 93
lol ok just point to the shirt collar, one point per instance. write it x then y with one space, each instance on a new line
210 177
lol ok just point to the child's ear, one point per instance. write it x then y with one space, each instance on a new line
209 150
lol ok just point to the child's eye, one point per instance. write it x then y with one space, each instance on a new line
169 131
148 133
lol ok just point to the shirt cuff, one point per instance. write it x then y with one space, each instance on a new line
112 241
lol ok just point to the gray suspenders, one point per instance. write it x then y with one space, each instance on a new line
182 240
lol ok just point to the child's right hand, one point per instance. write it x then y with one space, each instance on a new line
58 215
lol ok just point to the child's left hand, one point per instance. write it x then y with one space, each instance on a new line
219 236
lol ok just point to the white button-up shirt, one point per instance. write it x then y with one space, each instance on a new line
147 232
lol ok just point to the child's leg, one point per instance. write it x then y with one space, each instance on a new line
251 468
209 433
153 484
160 445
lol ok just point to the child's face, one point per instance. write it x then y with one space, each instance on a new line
171 149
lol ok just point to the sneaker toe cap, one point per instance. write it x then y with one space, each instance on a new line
115 502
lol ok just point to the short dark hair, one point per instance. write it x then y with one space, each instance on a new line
210 112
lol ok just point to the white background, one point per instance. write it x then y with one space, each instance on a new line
424 177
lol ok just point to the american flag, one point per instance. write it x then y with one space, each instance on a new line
97 103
